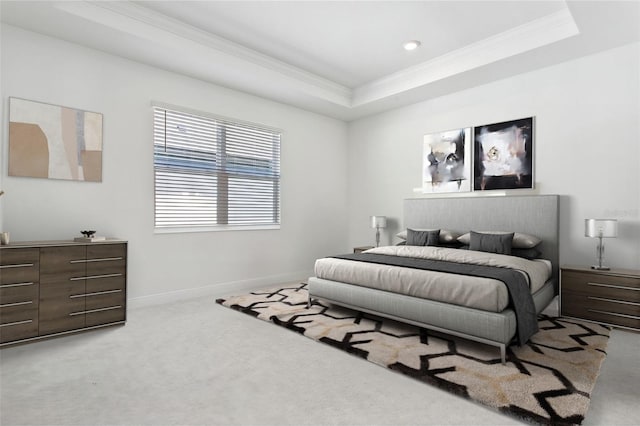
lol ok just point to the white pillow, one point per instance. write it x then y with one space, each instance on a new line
446 236
520 240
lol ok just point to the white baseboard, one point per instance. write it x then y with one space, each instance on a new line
218 290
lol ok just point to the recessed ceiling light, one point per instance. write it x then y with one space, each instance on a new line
411 45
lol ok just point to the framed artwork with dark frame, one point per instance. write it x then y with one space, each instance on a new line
446 162
503 155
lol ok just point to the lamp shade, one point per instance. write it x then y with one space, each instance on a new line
378 221
605 228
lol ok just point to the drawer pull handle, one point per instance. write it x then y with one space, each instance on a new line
15 285
17 265
614 314
104 259
95 310
604 299
92 277
16 323
97 293
8 305
614 286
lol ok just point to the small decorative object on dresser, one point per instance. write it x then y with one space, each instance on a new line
56 287
611 296
89 237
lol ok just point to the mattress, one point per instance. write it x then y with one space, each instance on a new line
473 292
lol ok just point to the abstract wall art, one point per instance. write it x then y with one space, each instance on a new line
446 162
503 155
55 142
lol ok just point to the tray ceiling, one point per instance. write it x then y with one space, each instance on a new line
342 59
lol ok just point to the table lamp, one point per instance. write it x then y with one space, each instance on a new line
378 222
600 228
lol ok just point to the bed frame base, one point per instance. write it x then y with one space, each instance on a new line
502 346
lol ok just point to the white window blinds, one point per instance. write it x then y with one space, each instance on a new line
213 172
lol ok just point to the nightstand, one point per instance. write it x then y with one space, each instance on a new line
361 249
611 297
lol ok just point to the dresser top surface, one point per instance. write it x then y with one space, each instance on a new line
58 243
612 271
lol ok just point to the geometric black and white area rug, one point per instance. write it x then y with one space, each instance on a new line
547 381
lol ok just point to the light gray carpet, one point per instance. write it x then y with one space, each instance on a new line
547 381
193 362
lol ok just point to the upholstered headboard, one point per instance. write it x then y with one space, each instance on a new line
531 214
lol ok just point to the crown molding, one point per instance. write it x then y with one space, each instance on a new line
252 71
540 32
147 24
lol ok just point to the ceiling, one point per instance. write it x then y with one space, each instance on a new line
343 59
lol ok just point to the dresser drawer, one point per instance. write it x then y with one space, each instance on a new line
15 293
106 267
60 264
109 259
19 274
19 265
105 316
598 310
577 281
600 303
18 330
596 287
107 299
19 256
106 284
19 311
106 251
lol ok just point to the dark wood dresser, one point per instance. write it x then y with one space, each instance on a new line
56 287
611 297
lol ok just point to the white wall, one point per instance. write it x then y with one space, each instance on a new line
314 202
587 148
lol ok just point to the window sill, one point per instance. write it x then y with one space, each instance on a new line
188 229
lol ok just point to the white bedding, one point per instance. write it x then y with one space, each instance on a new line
474 292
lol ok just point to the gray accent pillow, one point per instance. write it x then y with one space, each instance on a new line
526 253
446 236
422 238
491 243
520 240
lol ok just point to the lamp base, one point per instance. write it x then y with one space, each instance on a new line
600 268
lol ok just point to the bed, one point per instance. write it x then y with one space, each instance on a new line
492 322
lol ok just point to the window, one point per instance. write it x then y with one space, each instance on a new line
213 172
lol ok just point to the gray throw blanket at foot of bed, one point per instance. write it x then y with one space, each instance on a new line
519 294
